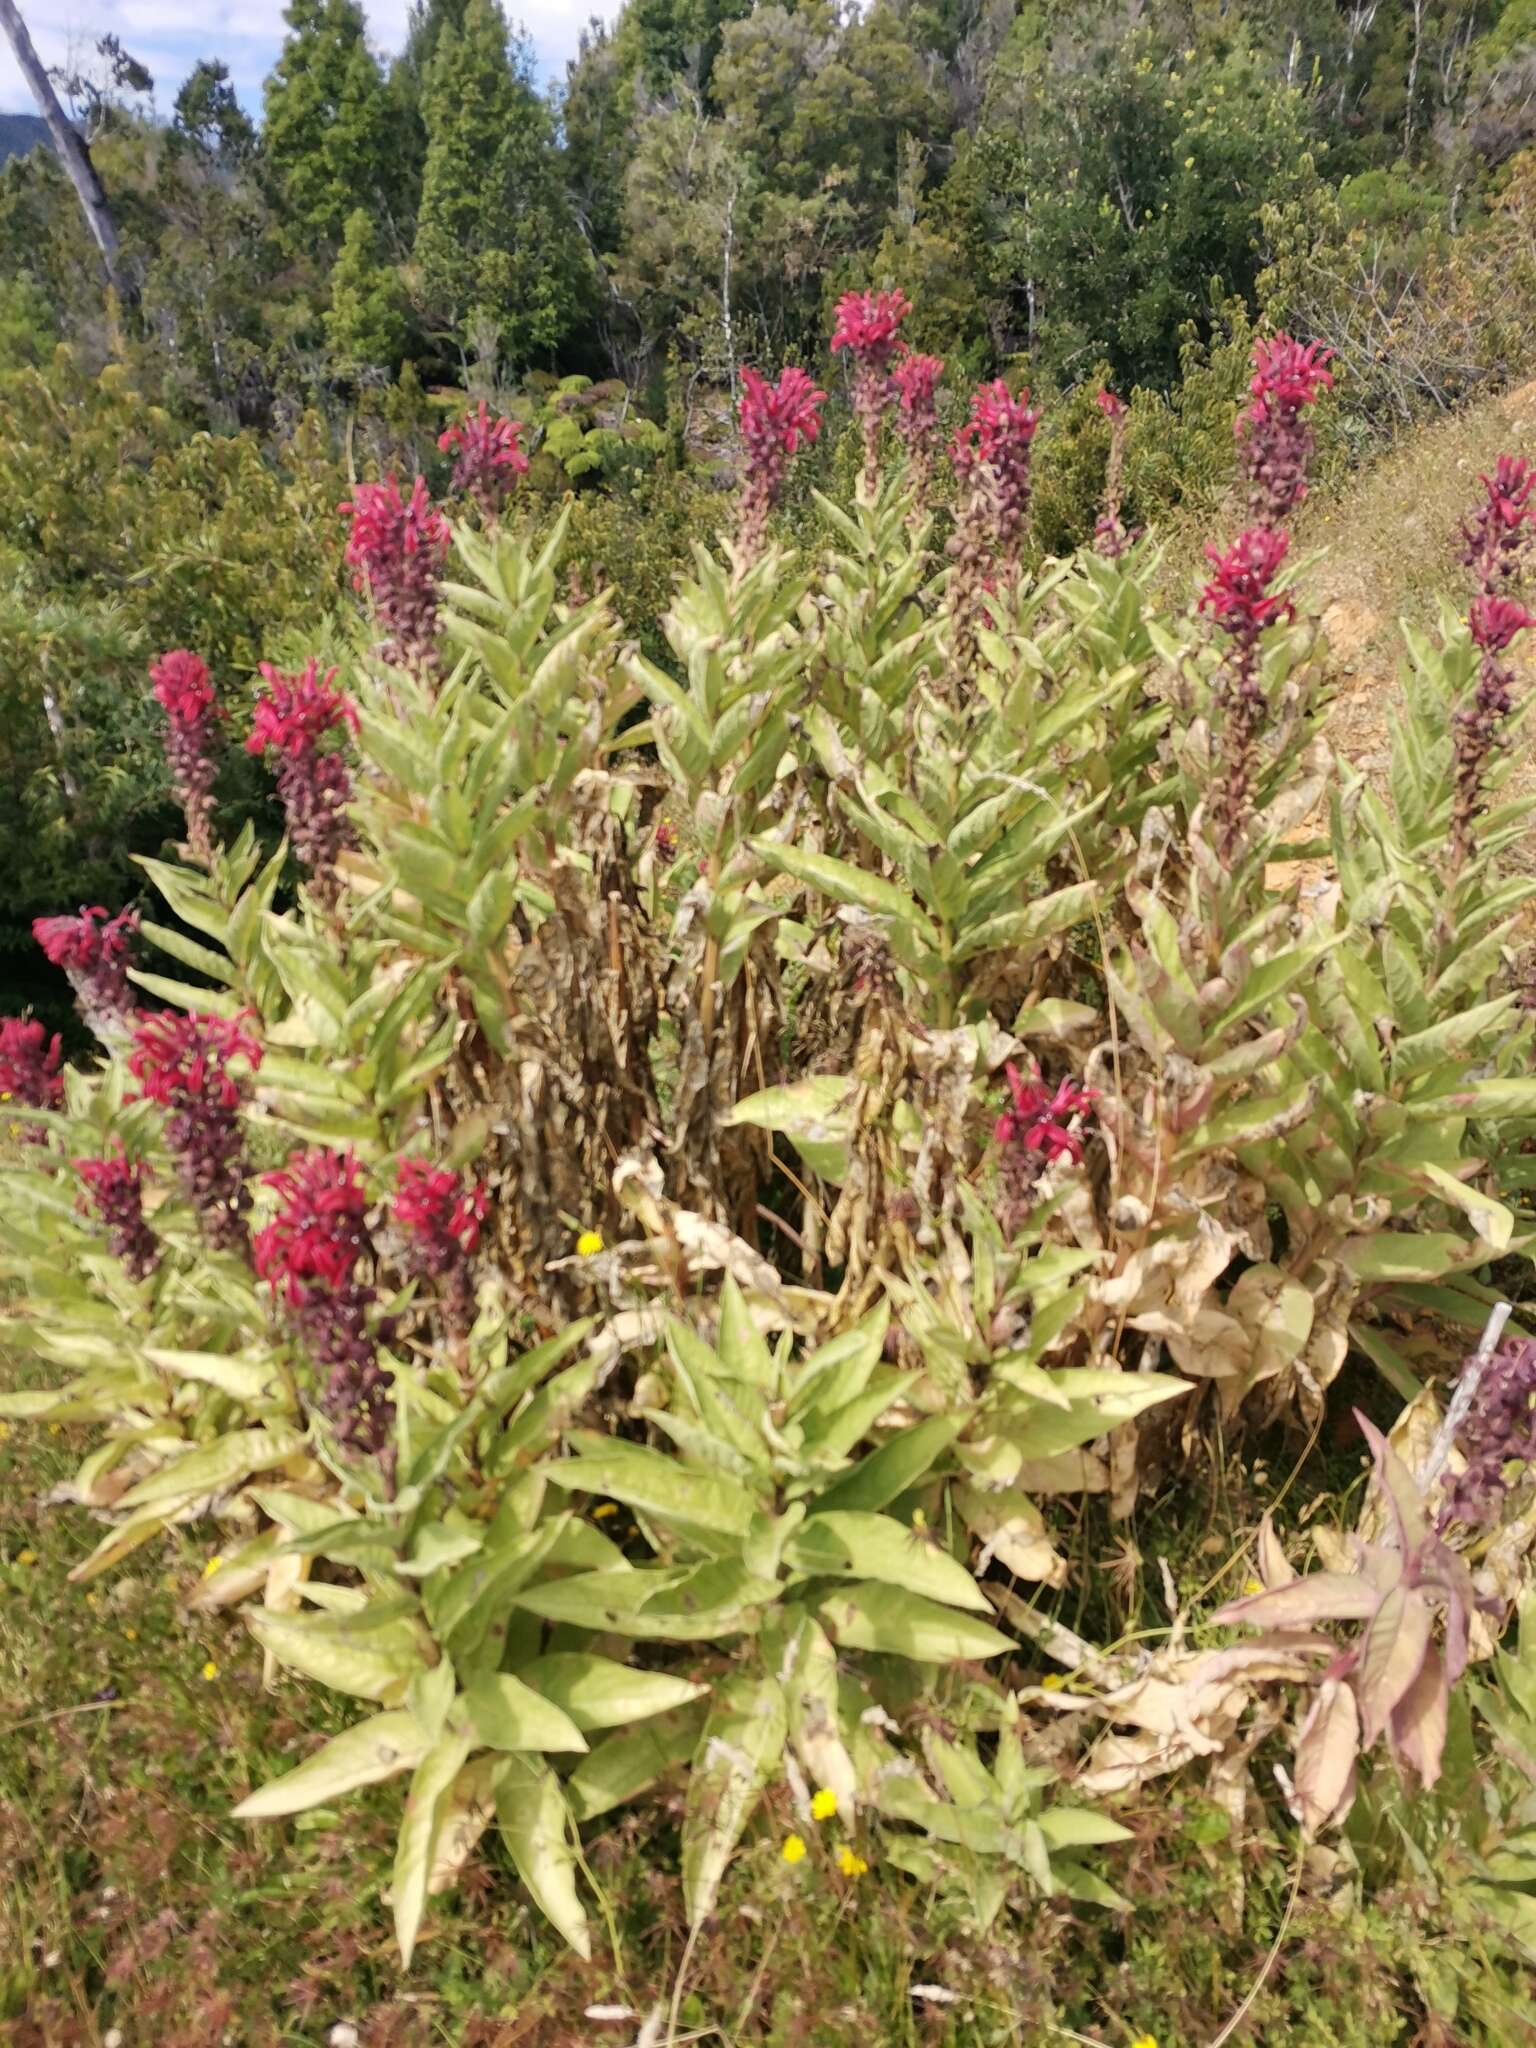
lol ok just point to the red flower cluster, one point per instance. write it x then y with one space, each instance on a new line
1275 446
996 440
309 1255
775 419
1238 597
1501 529
320 1233
95 957
1039 1118
915 381
1113 408
1495 621
490 457
116 1188
868 325
29 1064
295 714
1110 537
1289 373
395 549
183 1060
185 694
441 1220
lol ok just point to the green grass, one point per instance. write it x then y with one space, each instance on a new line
132 1902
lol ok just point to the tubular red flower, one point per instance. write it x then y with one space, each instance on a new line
115 1185
29 1064
183 1061
490 457
396 548
1110 537
1498 535
1495 621
915 380
95 957
868 325
1113 408
1238 597
292 718
775 419
1275 445
309 1255
1038 1118
441 1219
185 694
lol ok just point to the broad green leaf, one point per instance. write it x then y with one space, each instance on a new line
741 1747
654 1484
901 1624
811 1697
364 1755
537 1827
866 1546
625 1765
814 1114
504 1713
216 1466
888 1472
1404 1255
251 1379
842 882
373 1662
599 1692
1075 1827
420 1829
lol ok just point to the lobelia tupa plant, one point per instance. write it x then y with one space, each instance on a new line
626 1255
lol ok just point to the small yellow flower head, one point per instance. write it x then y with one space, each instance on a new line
210 1671
1145 2041
823 1804
919 1519
855 1866
26 1557
589 1244
214 1564
793 1850
1252 1586
1189 163
5 1430
130 1635
604 1509
1052 1682
54 1428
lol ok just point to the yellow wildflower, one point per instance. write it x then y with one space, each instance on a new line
1052 1681
1189 163
855 1866
130 1635
589 1244
1252 1586
1145 2041
54 1428
604 1509
26 1557
5 1430
214 1564
793 1850
823 1804
210 1671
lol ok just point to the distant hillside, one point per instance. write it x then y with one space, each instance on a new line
20 133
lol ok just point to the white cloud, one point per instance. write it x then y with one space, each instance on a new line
169 36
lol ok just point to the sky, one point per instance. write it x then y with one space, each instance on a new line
169 36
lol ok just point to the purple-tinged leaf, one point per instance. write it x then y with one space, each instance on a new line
1398 1487
1416 1730
1326 1753
1391 1658
1275 1569
1324 1596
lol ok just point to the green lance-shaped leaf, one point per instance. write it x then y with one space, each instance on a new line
656 1485
537 1827
599 1692
624 1765
878 1479
375 1749
903 1624
842 882
421 1828
865 1546
505 1713
1079 1827
371 1658
814 1114
809 1668
216 1466
740 1749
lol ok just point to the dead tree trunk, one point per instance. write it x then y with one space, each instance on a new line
73 153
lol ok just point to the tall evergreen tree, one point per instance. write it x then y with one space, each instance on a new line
325 140
365 326
494 238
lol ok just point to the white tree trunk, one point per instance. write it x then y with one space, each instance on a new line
72 151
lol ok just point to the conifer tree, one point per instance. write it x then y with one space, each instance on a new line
494 238
325 138
365 325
